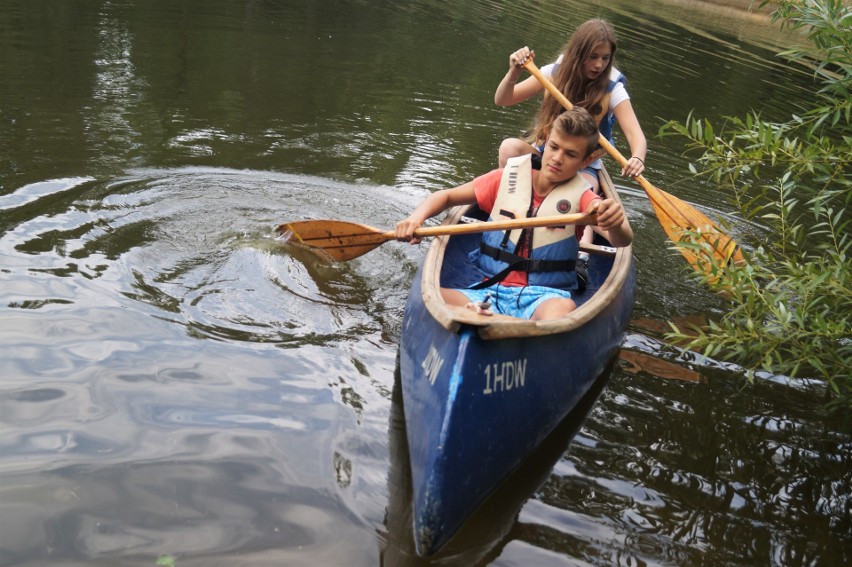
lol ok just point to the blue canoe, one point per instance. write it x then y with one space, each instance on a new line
481 393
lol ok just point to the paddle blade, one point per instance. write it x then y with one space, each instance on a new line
338 240
683 223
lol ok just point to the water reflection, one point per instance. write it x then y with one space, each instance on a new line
174 381
230 280
134 398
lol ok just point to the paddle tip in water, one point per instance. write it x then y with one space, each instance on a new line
284 235
289 237
286 231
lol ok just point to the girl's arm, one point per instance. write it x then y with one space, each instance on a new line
629 124
509 91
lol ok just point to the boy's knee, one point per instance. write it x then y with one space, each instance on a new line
554 309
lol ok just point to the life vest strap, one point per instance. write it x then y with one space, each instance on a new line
519 264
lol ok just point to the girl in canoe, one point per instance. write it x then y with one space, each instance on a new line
585 74
530 273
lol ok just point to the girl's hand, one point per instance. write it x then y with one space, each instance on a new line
519 57
634 166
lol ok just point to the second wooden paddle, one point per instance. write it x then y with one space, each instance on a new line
677 217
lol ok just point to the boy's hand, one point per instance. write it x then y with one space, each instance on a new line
610 213
405 230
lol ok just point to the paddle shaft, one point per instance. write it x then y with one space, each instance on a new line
557 94
469 228
534 222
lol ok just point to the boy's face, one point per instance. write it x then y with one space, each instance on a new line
563 157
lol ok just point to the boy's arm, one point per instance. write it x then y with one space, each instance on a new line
432 205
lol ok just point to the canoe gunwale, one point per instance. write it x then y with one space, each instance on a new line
453 318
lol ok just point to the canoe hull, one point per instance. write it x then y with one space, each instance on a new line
479 397
495 402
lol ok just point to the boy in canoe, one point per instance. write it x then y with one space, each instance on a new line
530 273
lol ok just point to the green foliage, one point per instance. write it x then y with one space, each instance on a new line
166 561
791 305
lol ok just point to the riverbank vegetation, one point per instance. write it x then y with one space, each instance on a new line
790 309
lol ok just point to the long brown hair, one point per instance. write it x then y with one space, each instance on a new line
569 77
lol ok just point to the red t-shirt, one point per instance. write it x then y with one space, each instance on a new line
486 187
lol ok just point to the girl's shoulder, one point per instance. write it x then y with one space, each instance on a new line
549 70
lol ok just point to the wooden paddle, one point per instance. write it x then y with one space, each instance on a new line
342 240
677 217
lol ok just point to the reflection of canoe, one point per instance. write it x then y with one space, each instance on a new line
481 393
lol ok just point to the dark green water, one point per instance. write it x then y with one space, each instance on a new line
174 382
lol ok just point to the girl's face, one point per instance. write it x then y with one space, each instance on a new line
597 61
